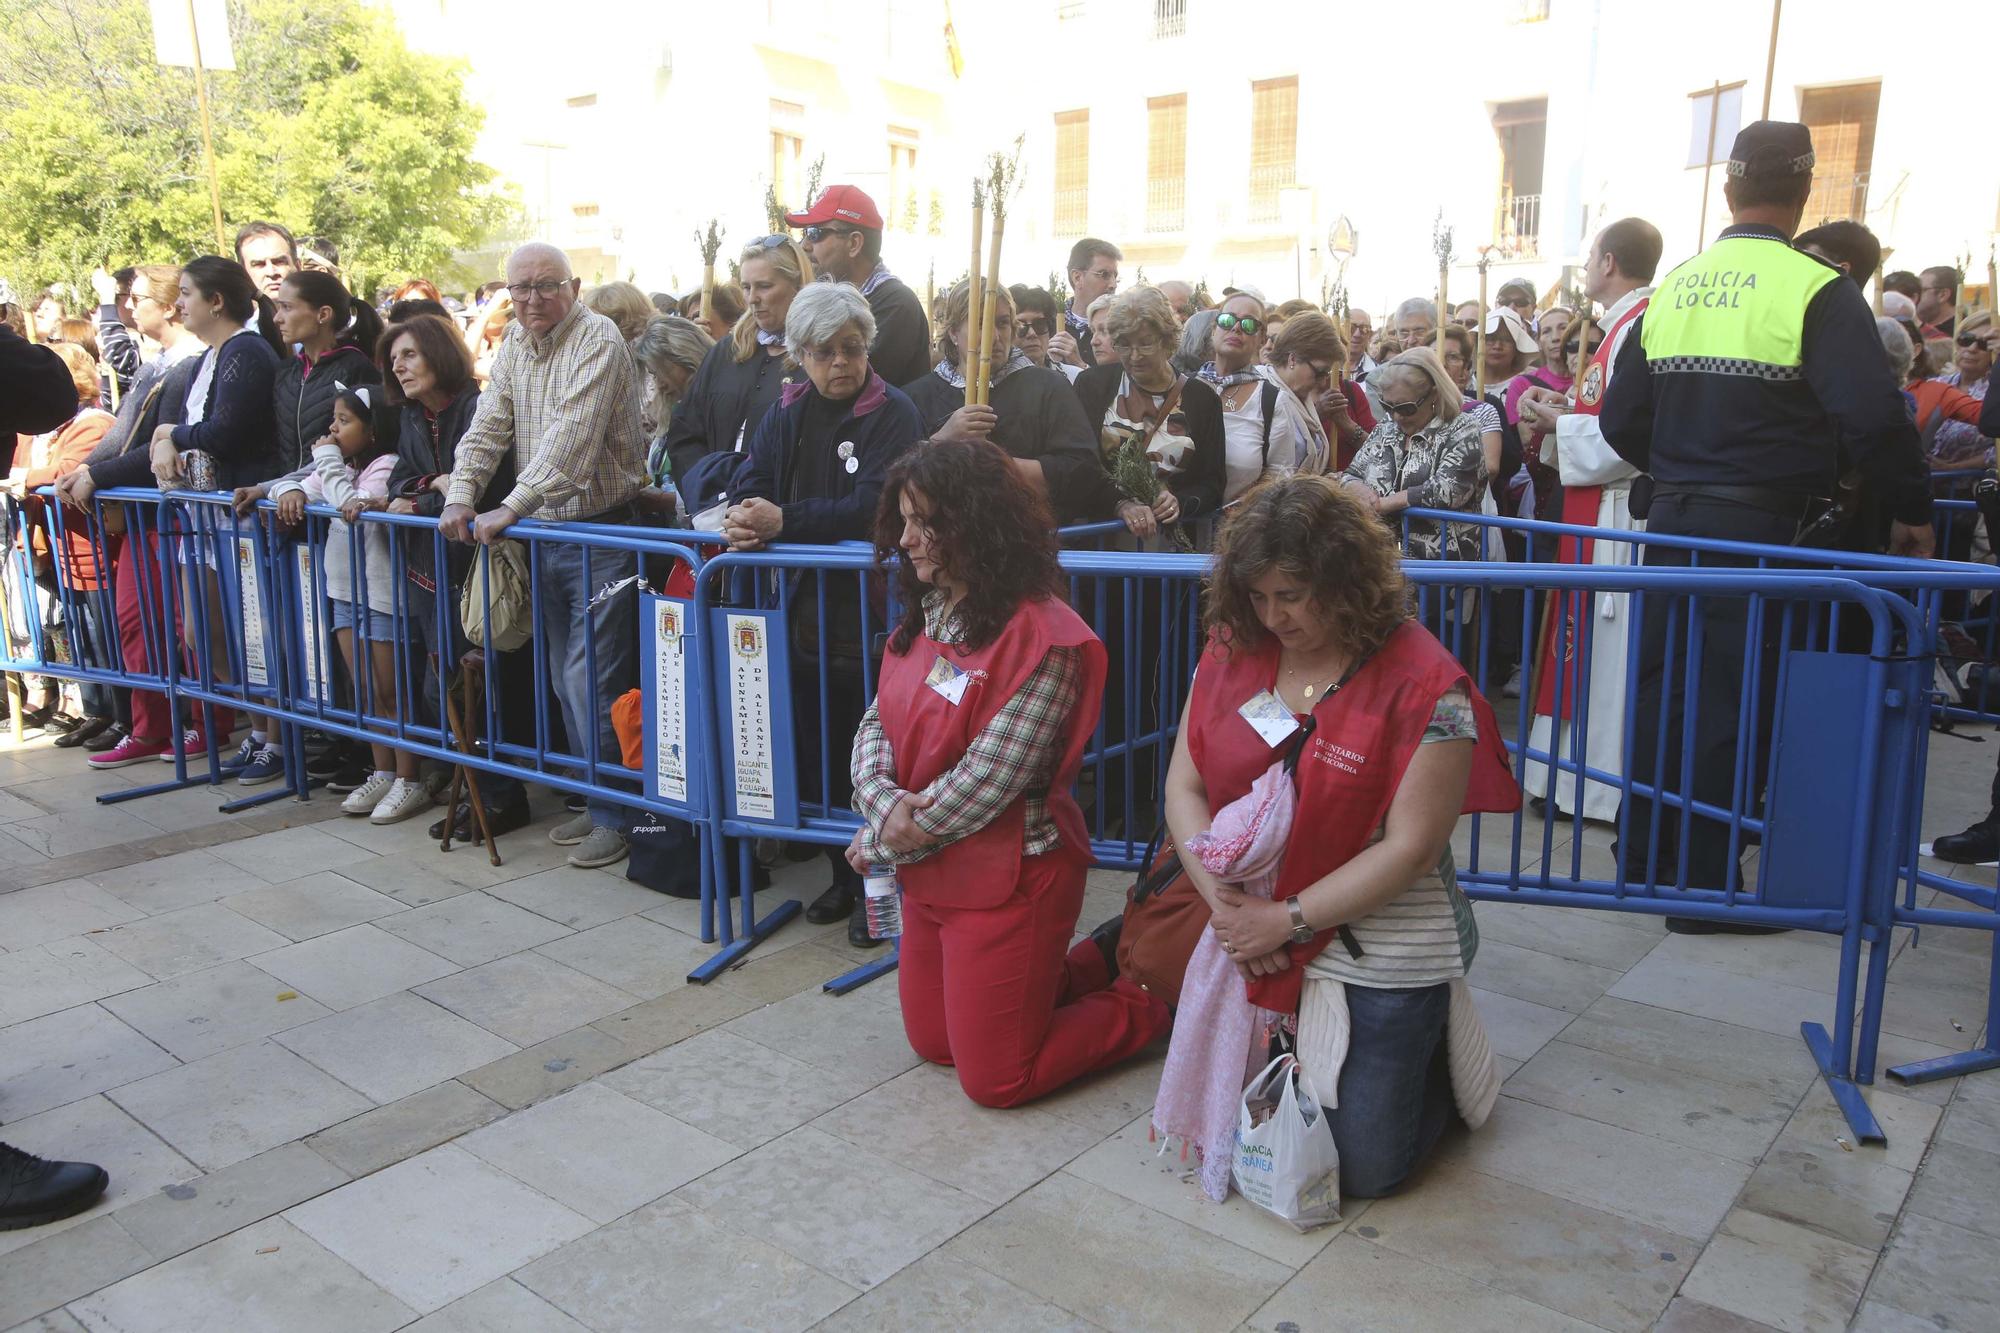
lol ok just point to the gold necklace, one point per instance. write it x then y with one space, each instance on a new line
1312 690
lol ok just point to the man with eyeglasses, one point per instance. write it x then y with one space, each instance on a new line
844 237
563 403
1937 300
1753 380
1093 272
1415 323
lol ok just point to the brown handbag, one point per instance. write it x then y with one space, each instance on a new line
1164 918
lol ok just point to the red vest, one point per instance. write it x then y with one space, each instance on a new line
1365 736
1580 508
930 734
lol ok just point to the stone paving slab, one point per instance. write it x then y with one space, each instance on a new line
343 1081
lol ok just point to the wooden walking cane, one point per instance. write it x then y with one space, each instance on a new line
1441 242
461 723
1479 334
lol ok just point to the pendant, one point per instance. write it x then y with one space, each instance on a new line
1309 691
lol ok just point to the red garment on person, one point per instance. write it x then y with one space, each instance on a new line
1581 505
929 734
1364 737
983 978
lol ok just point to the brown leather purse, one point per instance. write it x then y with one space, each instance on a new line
1164 918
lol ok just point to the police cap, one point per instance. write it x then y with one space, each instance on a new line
1766 148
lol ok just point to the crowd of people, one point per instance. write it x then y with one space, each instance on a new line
815 400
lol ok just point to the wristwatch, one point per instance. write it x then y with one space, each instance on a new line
1301 932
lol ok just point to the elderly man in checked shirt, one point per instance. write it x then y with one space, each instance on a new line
564 399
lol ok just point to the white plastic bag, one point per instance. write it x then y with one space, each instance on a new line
1287 1164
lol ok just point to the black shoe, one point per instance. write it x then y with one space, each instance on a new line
836 904
33 1191
1105 937
857 930
1979 843
83 731
349 776
36 718
329 763
108 738
61 724
1686 925
576 805
509 817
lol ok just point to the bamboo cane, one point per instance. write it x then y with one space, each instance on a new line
1443 309
708 292
988 304
1479 334
974 290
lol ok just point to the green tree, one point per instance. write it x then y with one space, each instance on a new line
330 125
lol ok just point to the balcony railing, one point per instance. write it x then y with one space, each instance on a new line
1069 11
1267 184
1169 18
1518 226
1837 199
1166 205
1072 211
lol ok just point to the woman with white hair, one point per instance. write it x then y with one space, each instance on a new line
814 472
1424 455
669 351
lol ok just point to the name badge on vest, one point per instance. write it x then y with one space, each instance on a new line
1268 716
947 681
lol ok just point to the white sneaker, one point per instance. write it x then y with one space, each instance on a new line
363 799
405 797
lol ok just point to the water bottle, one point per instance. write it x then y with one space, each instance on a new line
882 893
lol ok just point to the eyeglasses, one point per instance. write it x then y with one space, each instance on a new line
1031 328
1248 325
1321 373
1408 409
814 235
521 291
851 350
1139 349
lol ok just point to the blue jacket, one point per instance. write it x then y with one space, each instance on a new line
808 479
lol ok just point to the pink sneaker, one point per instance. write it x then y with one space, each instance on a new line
193 744
131 750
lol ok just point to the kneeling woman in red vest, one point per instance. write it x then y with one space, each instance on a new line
1312 658
962 773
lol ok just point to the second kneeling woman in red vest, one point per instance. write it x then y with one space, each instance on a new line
962 773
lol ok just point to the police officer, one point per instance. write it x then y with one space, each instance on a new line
1755 377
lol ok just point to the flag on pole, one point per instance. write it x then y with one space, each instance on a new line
951 47
173 44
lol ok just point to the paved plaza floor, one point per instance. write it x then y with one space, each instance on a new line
345 1082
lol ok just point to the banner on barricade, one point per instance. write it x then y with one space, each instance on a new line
250 591
312 641
760 779
672 710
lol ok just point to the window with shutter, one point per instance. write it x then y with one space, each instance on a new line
1166 163
1842 121
1072 172
1274 140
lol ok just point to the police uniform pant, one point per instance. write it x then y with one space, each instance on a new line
998 994
1664 699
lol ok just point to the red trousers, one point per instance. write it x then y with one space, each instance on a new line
142 606
998 994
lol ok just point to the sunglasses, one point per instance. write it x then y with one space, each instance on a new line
769 243
1321 373
1032 328
1973 339
1248 325
814 235
1408 409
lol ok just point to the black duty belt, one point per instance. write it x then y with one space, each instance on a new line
1787 503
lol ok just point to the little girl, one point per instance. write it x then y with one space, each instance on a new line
351 467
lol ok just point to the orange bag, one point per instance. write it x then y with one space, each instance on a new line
628 721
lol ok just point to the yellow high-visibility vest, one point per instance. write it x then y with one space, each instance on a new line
1737 308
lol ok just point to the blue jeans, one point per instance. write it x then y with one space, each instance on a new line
94 643
1395 1089
610 633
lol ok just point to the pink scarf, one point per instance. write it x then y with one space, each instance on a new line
1220 1038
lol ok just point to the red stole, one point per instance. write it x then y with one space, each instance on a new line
1365 736
1580 509
930 734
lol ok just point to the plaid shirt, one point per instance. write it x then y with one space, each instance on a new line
1014 753
568 406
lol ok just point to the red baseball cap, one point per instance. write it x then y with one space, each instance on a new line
839 203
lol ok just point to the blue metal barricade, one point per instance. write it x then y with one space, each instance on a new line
787 640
